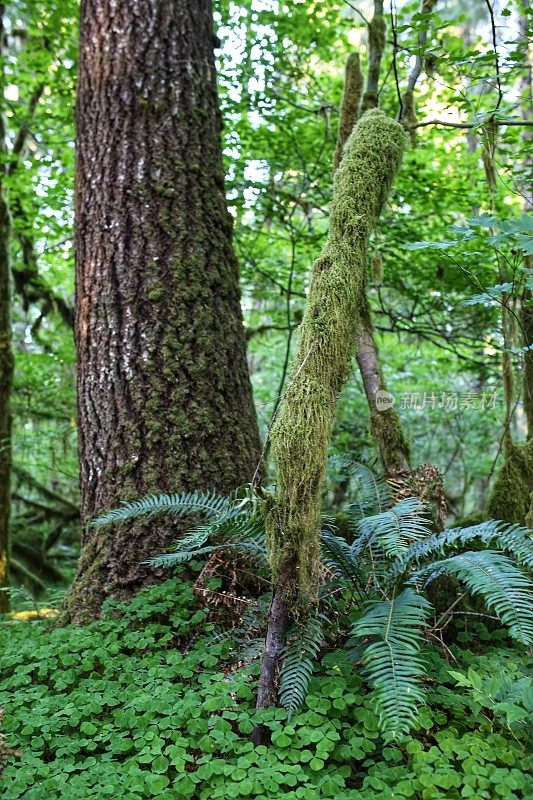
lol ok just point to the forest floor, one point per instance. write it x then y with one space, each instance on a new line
148 702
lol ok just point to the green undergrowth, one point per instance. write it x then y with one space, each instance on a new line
147 703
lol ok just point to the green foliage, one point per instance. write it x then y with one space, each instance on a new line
393 531
301 650
504 588
145 703
393 552
232 522
389 634
209 504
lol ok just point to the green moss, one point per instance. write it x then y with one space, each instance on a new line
156 293
511 494
328 335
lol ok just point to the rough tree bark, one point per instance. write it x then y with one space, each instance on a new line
164 397
6 353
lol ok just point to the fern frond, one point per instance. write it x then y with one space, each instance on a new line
504 588
518 541
299 654
394 531
254 548
208 503
179 557
515 539
343 560
391 659
371 491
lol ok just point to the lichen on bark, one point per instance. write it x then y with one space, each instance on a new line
328 336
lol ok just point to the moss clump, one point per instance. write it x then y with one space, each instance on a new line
510 499
394 448
328 335
427 483
351 98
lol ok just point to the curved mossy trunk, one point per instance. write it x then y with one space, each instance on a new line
6 359
164 396
328 335
511 497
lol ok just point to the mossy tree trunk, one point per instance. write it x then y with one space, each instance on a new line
328 335
6 352
164 396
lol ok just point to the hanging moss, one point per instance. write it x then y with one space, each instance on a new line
351 97
511 494
529 515
328 334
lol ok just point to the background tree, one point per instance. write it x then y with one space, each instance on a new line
6 353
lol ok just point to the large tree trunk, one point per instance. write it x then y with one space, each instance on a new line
6 356
164 397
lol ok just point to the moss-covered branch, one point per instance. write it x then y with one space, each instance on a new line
385 424
328 334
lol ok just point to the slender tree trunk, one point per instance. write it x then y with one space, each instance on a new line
164 397
527 191
385 423
6 353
